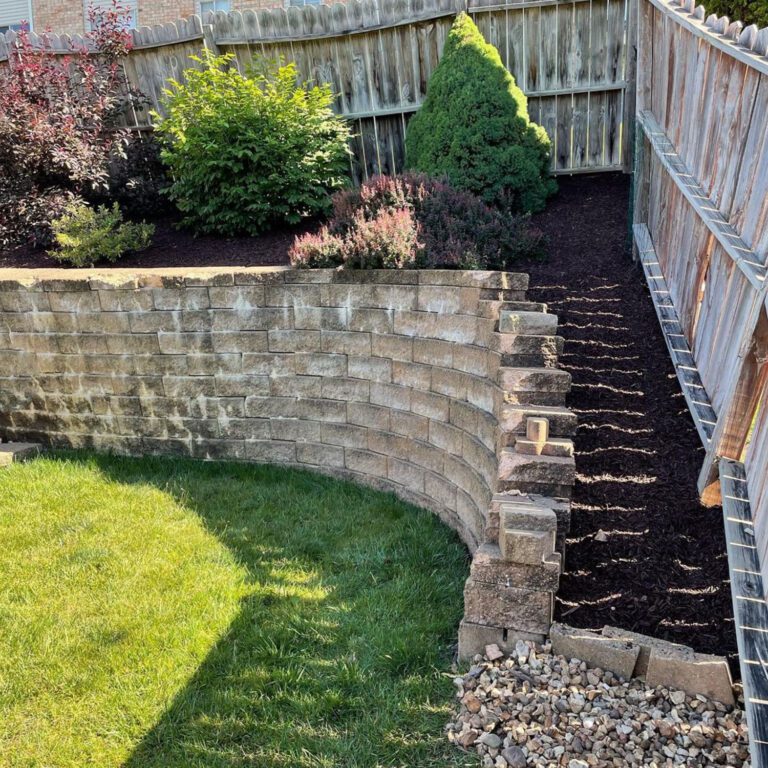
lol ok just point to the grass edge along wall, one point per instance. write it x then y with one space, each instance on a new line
419 382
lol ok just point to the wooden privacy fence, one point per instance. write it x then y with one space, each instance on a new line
701 232
574 60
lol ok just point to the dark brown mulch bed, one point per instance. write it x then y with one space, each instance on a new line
663 569
172 247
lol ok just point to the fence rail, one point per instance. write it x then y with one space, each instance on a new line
701 232
574 60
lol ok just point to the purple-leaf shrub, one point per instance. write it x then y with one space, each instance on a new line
437 224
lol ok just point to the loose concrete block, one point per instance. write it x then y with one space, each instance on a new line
547 475
528 323
512 607
537 429
554 447
11 453
473 638
678 666
691 672
618 656
514 419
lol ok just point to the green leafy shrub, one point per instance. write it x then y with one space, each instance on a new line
474 127
85 235
748 11
247 152
416 221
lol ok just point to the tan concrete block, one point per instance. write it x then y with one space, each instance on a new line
126 301
433 352
407 474
74 301
490 567
365 415
184 343
269 364
429 404
318 364
393 347
447 437
527 547
391 396
320 455
502 606
679 667
293 341
616 655
527 323
346 435
239 297
371 320
452 384
365 462
203 364
409 424
241 341
411 375
321 318
370 368
346 342
12 453
440 489
295 386
473 639
346 389
181 298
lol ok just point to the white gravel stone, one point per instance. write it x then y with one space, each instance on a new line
536 709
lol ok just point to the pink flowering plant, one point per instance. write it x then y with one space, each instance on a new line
416 221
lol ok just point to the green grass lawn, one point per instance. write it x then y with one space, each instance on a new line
167 613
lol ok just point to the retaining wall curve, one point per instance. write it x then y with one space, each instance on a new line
418 382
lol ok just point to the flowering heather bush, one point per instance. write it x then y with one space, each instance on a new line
320 250
388 241
439 225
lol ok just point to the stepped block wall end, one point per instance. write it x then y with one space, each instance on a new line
438 385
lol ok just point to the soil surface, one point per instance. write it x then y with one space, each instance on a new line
663 568
172 247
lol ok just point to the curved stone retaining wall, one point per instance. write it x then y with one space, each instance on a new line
419 382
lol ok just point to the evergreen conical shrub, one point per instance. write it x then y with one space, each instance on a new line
474 127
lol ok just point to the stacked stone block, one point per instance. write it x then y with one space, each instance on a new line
418 382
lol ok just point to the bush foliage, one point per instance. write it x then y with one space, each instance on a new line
59 124
414 221
86 235
248 151
748 11
474 127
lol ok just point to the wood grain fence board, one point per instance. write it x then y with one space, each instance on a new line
695 394
749 606
752 266
571 55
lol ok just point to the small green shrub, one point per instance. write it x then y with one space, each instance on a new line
85 235
412 221
748 11
249 151
474 127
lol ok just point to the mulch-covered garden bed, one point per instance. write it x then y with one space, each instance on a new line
174 247
659 566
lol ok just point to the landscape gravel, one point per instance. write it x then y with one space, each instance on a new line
532 708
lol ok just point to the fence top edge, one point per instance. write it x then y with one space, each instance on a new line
281 25
749 45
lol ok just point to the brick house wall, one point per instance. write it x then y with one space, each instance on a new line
69 16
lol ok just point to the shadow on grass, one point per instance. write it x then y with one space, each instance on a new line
338 653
